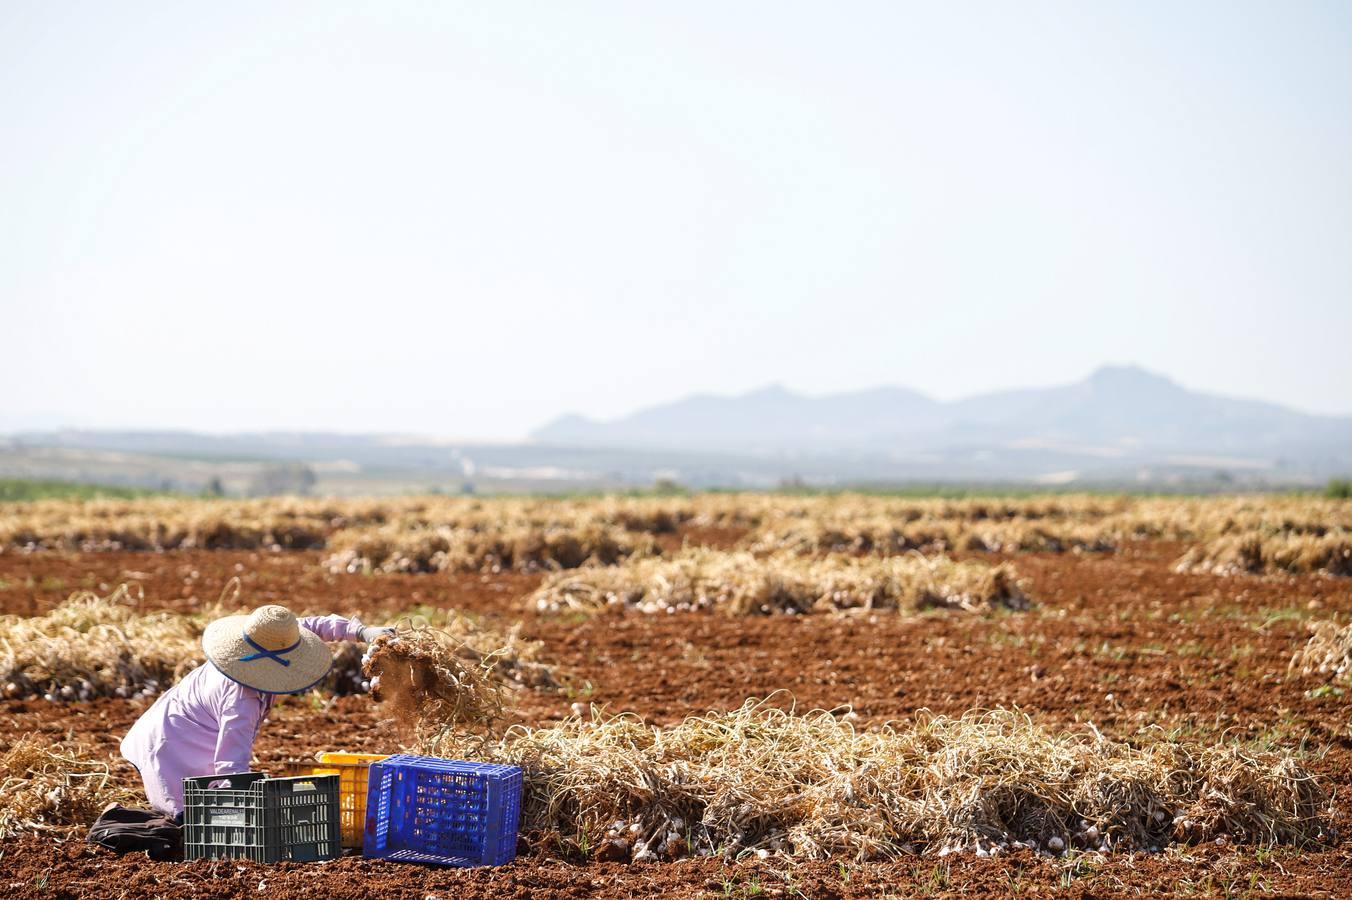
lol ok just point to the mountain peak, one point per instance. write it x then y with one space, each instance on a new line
1112 407
1131 377
770 391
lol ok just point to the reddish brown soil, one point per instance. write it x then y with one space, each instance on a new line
36 868
1120 641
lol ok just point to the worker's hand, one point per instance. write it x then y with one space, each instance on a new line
371 632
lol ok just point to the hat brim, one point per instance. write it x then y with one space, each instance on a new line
225 647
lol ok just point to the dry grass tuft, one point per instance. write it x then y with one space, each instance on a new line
93 646
526 547
1328 652
899 534
435 681
1290 552
743 584
760 778
1034 536
164 524
853 534
426 534
46 789
446 671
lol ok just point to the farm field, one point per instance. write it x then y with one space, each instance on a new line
1106 622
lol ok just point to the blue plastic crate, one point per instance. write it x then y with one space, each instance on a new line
447 812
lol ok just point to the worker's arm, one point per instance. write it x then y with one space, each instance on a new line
238 718
338 628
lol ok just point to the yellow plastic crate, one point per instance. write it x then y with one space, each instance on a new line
351 769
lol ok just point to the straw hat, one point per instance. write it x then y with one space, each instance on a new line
267 650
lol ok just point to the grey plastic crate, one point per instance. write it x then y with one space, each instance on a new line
264 819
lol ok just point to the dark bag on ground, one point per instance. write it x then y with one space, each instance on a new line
127 830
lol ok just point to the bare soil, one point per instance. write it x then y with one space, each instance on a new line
1120 641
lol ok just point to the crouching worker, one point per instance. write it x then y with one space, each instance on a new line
206 724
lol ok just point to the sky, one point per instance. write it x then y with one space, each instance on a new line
467 219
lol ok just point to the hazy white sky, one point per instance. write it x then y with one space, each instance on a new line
464 219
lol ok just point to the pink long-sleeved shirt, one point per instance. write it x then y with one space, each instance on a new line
206 725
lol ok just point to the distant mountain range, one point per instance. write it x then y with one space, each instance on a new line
1121 413
1120 427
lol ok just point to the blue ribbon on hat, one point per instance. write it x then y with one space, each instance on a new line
274 655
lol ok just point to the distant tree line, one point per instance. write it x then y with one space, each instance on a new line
24 489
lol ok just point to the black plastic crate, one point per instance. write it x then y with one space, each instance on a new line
264 819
